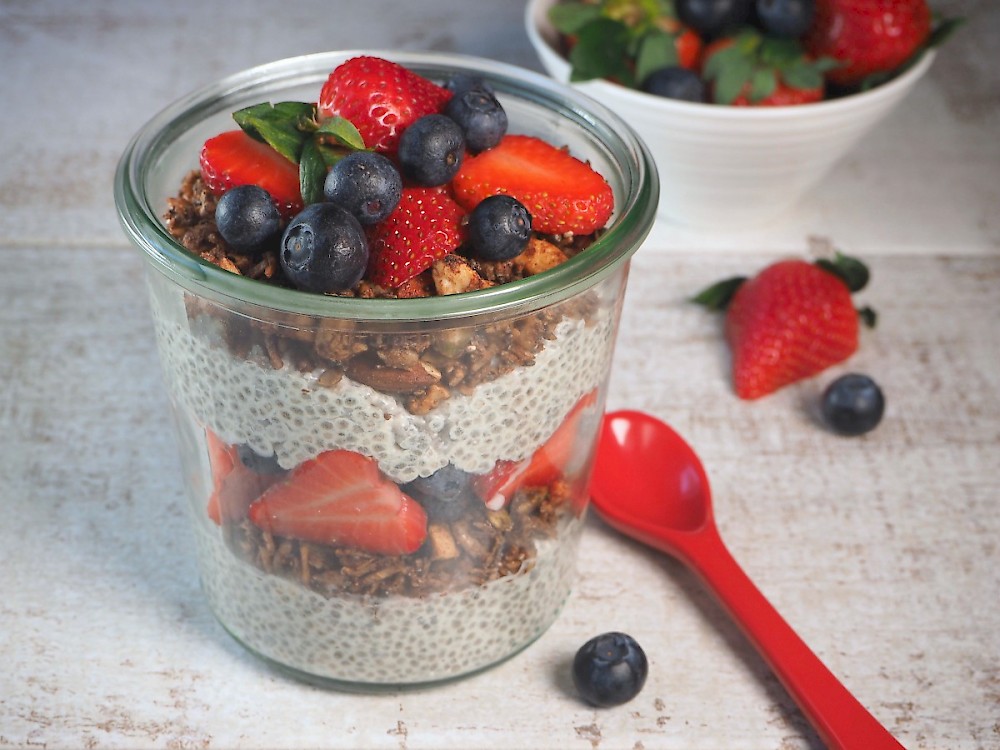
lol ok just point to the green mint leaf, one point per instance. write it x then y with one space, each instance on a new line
601 52
332 154
279 126
342 131
312 173
780 53
656 50
569 18
731 80
763 82
718 296
802 76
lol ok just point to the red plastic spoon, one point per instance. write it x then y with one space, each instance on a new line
649 484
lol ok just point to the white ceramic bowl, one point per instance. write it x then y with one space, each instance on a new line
732 167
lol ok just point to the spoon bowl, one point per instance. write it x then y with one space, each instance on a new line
650 485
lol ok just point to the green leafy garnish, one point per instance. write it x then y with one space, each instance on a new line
601 51
621 40
293 130
341 131
312 173
284 126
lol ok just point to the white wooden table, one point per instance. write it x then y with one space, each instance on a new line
883 551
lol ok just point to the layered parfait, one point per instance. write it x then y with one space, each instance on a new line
387 501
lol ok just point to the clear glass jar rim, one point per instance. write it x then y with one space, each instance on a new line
634 214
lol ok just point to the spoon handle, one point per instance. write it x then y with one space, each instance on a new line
839 718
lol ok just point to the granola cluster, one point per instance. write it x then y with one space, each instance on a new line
424 369
480 546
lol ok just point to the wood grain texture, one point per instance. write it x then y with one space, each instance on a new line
882 551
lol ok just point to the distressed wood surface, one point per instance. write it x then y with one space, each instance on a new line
881 551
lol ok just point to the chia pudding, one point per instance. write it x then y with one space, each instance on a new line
388 422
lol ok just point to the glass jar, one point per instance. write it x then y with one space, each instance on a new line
469 419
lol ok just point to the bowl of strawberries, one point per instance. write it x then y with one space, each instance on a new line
745 104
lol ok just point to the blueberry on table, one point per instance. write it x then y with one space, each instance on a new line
366 184
477 112
431 149
675 82
711 17
853 404
610 669
324 249
499 228
785 18
248 219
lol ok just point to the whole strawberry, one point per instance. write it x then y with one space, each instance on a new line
381 99
790 322
867 36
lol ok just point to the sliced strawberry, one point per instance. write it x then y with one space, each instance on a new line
498 486
424 226
234 158
340 497
552 461
554 458
234 486
380 98
562 193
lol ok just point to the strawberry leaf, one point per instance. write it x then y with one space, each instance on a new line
868 316
656 50
312 173
718 296
943 29
281 126
601 51
851 271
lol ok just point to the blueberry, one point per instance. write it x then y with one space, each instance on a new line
431 149
610 669
499 228
324 249
711 17
443 494
478 113
853 404
675 82
365 183
248 219
258 463
785 18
